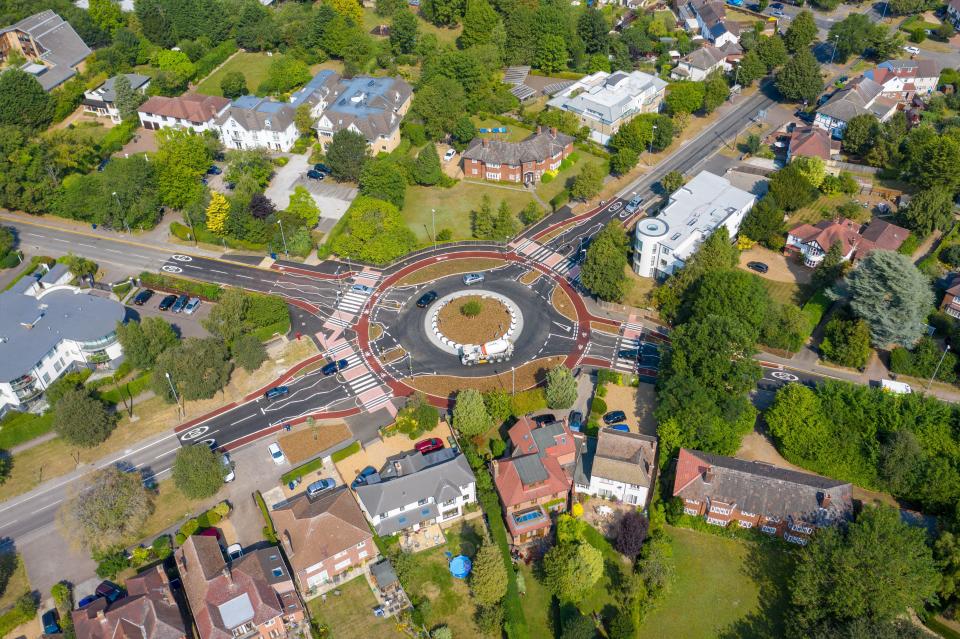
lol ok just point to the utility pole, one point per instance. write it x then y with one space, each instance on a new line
513 376
937 369
433 216
176 397
284 238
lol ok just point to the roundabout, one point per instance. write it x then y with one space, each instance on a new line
472 317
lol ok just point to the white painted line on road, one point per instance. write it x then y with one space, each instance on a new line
143 257
246 277
57 239
87 245
213 270
131 452
113 251
34 235
172 450
244 419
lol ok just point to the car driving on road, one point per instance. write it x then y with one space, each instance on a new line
361 288
333 367
276 392
473 278
634 204
426 299
628 353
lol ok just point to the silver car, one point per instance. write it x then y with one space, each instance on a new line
473 278
191 305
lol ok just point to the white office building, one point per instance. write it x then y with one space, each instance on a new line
48 328
662 244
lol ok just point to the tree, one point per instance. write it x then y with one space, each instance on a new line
571 570
261 207
801 32
479 21
350 9
861 134
772 51
631 533
442 13
716 91
383 178
346 154
23 102
488 581
603 268
593 30
684 97
751 68
182 158
127 100
764 224
811 168
389 7
843 576
198 368
532 213
198 472
226 319
284 74
505 224
82 420
550 55
672 181
439 103
799 79
426 170
846 342
404 31
497 403
463 132
303 119
143 341
304 207
176 69
249 352
561 388
217 212
579 627
105 14
375 232
888 291
623 161
233 85
622 626
790 189
470 416
930 210
109 509
588 182
854 35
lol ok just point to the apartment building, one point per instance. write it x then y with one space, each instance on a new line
525 161
53 49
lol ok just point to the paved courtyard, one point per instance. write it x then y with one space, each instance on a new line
332 198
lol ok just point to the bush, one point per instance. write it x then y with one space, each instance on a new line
189 527
161 547
598 406
209 292
497 447
909 245
547 177
949 255
471 308
343 453
529 401
111 563
560 199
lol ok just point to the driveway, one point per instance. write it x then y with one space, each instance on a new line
332 199
376 453
782 268
282 184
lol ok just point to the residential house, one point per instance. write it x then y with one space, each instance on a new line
189 111
711 17
903 79
535 481
49 328
414 490
861 96
326 538
253 596
778 501
813 142
953 12
101 101
811 242
257 123
662 244
700 63
617 465
53 48
524 161
603 102
148 611
951 298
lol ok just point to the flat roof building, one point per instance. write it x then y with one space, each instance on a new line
662 244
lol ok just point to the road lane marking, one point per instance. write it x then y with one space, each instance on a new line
172 450
246 277
243 419
213 270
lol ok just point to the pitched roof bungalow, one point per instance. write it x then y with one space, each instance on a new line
326 538
812 141
617 465
149 611
813 242
700 63
753 494
54 49
861 96
188 111
535 480
524 161
252 594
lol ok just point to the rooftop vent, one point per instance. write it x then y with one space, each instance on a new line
675 236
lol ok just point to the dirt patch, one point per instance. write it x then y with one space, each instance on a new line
564 305
309 441
530 277
374 331
527 376
603 327
492 320
430 590
450 267
638 404
393 354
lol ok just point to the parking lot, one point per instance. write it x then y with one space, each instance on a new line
331 197
187 325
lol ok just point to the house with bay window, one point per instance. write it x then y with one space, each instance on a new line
617 465
325 537
750 494
413 491
525 161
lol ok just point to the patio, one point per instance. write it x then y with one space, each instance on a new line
427 537
605 514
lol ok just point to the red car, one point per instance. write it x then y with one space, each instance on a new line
429 445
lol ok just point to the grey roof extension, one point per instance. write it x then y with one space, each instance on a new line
62 47
106 93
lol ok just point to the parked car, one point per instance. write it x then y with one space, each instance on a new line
180 303
628 353
103 164
143 297
276 454
276 392
167 302
912 50
575 420
231 475
623 428
234 551
86 601
759 267
214 170
333 367
109 590
362 477
614 417
777 12
449 155
473 278
51 621
315 175
546 418
319 486
361 288
426 299
320 166
428 445
191 305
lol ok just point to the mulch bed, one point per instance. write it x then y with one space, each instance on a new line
492 321
527 376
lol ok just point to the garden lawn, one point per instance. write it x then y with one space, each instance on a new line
454 206
721 587
170 507
253 66
785 292
514 133
350 615
823 208
537 605
549 190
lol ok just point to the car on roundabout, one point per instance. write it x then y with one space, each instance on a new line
473 278
426 299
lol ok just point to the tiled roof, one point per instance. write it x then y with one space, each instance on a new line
860 96
190 106
62 48
827 232
315 530
761 488
536 148
541 463
106 93
704 58
916 68
149 611
811 141
884 235
624 457
254 120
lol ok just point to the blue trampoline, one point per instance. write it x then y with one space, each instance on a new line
460 566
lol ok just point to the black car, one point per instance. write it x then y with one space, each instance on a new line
320 166
167 302
142 297
109 590
759 267
614 417
103 164
426 299
214 170
548 418
50 622
333 367
628 353
315 175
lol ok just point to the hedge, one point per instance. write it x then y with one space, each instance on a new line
17 428
269 532
209 292
34 262
19 614
302 470
117 137
266 332
815 307
129 389
515 623
214 58
185 233
560 199
598 406
528 401
343 453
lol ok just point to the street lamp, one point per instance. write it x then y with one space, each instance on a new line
836 38
173 390
119 210
937 369
433 216
284 238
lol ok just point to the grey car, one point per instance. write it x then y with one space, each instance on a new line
473 278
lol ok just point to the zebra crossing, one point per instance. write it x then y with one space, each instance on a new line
368 277
626 363
370 392
362 383
539 253
352 301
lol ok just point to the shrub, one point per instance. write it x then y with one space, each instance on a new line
161 547
471 308
111 563
560 199
949 255
179 538
222 509
189 527
343 453
598 406
526 402
547 178
497 447
607 376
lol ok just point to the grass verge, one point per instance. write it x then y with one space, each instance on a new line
450 267
527 376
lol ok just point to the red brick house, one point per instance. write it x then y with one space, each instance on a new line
326 538
524 161
535 481
149 611
749 494
951 299
250 597
811 242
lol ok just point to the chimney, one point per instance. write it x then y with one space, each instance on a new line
485 142
708 475
553 131
102 618
496 468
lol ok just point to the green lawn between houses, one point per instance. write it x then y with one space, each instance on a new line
514 133
721 588
252 65
454 205
349 615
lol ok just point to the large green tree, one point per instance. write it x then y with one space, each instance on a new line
602 271
233 84
801 32
404 31
488 580
930 210
81 419
846 342
383 178
198 368
588 182
799 79
439 103
346 154
561 388
684 97
143 341
182 158
109 509
23 102
375 232
716 91
426 170
479 22
198 472
470 416
572 569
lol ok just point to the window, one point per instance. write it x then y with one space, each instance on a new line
277 572
490 165
770 530
340 554
361 544
269 622
493 176
716 522
362 554
745 524
341 565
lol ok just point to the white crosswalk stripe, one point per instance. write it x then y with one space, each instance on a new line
625 364
337 322
376 402
368 276
339 348
352 302
363 383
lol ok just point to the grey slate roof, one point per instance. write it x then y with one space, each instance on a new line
253 120
846 104
705 57
384 574
536 148
31 327
530 469
106 93
62 47
55 272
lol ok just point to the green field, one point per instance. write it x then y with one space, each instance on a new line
444 36
549 190
513 134
252 65
454 205
349 615
785 292
824 207
721 587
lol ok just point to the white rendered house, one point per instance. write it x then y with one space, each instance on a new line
617 465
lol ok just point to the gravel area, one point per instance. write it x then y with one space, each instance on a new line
492 321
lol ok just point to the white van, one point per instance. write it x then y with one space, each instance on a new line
900 388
